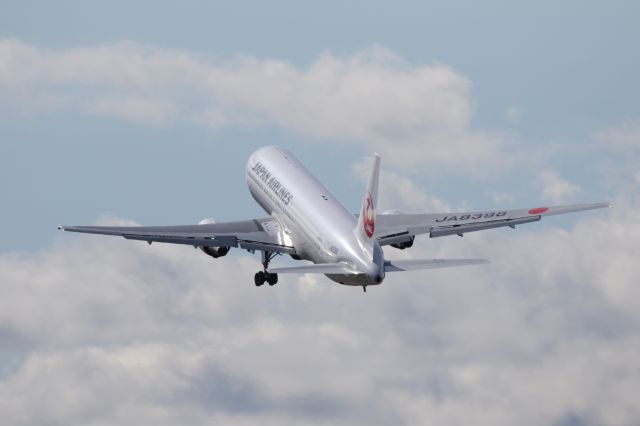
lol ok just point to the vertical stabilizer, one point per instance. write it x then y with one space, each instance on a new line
365 230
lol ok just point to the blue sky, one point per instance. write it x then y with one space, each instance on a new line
566 71
112 112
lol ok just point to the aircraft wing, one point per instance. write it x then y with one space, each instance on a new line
399 228
256 234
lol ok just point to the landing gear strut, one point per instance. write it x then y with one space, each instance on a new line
264 276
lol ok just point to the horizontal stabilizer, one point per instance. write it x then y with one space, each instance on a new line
319 268
417 264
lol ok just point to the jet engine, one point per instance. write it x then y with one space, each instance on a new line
404 244
214 252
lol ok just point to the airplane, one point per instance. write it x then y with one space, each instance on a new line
308 223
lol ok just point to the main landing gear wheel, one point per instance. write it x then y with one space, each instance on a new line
272 279
264 276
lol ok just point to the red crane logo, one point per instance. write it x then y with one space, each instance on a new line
368 217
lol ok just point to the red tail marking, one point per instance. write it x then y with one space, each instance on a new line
368 220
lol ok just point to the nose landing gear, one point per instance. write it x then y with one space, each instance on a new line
263 276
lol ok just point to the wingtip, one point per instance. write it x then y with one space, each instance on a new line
603 205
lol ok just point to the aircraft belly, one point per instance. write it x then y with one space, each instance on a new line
354 280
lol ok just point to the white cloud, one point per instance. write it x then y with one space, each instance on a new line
398 192
415 115
556 188
103 330
622 138
502 198
618 149
106 331
148 111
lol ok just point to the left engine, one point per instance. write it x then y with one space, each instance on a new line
214 252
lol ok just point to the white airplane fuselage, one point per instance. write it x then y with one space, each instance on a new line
315 223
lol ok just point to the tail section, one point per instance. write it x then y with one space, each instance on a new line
365 230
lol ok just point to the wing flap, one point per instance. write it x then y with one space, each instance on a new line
462 229
225 241
263 246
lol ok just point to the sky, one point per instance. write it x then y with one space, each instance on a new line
113 112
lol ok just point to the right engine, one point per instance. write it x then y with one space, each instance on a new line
214 252
405 244
402 244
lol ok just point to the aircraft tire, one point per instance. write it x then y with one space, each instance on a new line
259 278
272 279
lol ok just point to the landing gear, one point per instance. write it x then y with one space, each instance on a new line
272 279
264 276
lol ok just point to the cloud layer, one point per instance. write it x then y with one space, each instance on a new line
555 188
103 330
373 98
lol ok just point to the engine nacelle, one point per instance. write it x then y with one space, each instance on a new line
404 244
207 221
214 252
